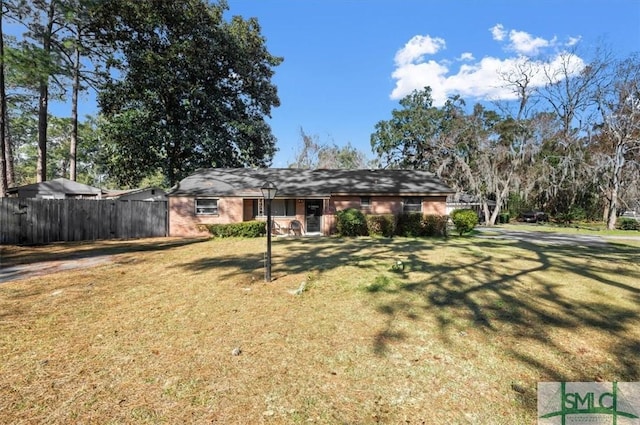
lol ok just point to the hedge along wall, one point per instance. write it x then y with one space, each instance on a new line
405 224
385 205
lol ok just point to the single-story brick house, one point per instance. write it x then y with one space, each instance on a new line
308 198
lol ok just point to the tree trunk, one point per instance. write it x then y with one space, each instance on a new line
8 151
618 165
73 143
3 107
500 197
43 102
41 168
485 209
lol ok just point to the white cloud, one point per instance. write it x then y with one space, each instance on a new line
498 32
475 79
417 47
573 41
416 76
525 44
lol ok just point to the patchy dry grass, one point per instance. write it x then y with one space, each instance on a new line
441 337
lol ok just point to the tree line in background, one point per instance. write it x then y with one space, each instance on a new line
570 148
179 87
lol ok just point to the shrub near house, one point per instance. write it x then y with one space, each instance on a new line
352 222
464 220
246 229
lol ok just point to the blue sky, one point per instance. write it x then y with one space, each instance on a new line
348 62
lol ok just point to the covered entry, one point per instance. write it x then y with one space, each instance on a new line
313 215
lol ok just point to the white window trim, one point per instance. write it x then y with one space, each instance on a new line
405 204
261 208
205 213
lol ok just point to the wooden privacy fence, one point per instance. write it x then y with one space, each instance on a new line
40 221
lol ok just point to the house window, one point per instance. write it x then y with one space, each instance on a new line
206 207
279 207
412 205
283 207
365 202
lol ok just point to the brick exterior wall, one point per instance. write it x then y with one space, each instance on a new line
436 205
183 220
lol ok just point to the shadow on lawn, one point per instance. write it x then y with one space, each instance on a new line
505 304
303 256
519 303
81 250
508 295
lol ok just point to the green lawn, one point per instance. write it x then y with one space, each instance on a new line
402 331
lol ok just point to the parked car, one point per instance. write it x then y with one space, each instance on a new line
534 217
631 214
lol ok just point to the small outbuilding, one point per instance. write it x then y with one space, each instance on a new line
149 194
60 188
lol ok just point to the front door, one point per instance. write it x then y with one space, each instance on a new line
313 215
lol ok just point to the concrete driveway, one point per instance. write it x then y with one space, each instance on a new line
23 271
549 238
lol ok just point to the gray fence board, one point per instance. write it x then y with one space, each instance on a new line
41 221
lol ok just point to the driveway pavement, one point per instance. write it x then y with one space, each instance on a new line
23 271
549 238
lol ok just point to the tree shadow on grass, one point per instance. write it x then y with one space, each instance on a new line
307 255
531 304
512 296
12 256
42 261
526 299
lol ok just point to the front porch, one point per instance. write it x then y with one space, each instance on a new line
292 217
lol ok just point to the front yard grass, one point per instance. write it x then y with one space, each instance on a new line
392 331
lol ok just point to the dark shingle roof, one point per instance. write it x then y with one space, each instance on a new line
59 185
293 182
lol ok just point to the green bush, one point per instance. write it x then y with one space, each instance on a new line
577 213
573 214
435 225
464 220
381 225
418 225
502 218
410 225
245 229
351 222
625 223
